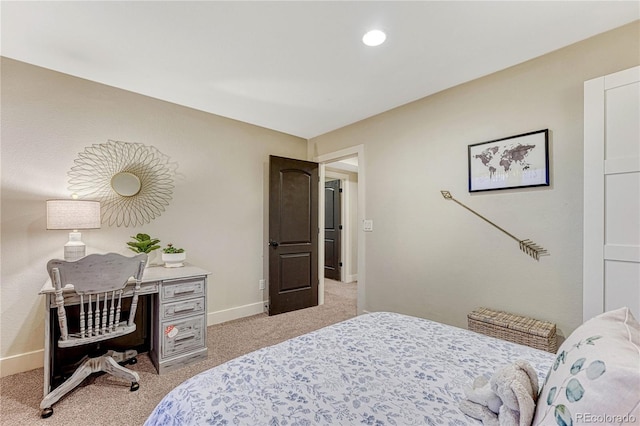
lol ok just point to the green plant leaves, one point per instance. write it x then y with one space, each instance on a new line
143 243
551 395
171 249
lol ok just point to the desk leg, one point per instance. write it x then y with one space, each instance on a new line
47 345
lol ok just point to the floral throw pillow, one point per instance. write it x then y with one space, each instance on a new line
596 376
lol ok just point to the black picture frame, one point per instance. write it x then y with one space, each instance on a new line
520 161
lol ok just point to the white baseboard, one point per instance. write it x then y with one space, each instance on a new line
32 360
349 278
21 363
235 313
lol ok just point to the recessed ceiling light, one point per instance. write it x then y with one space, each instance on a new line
374 38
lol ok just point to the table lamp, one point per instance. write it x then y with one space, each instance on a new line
73 215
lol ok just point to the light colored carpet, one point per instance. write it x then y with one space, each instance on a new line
104 400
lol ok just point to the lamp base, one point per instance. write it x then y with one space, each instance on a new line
75 248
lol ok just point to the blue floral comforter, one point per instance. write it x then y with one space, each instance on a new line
376 369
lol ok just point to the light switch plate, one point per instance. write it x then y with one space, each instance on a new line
367 225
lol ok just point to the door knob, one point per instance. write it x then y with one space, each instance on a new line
273 243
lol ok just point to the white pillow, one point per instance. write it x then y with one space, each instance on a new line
596 376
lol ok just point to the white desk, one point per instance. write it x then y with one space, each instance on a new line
178 317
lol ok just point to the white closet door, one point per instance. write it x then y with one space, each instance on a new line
612 193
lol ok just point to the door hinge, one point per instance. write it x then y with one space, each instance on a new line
340 190
340 264
340 227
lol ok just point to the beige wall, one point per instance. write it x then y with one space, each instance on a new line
430 257
217 208
426 256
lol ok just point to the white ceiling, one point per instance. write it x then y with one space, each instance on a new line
295 66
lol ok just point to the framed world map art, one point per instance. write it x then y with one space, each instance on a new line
514 162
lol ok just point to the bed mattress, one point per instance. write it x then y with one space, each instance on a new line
378 368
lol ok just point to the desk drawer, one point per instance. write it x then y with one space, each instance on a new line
180 289
182 308
72 298
182 336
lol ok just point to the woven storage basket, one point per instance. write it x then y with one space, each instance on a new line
514 328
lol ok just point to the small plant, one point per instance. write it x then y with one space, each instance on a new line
169 249
143 244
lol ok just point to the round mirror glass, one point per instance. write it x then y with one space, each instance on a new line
125 184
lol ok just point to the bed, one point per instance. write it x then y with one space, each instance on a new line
378 368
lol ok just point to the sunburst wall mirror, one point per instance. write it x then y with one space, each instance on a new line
132 181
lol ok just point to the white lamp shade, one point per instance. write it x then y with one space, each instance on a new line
73 214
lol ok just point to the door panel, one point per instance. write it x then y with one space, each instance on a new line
611 267
296 271
293 234
295 190
622 287
332 229
622 226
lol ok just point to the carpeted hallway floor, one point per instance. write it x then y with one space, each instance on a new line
103 400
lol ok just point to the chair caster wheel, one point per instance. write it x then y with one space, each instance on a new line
132 361
46 412
135 386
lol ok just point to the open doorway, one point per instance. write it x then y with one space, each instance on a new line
346 165
341 220
333 228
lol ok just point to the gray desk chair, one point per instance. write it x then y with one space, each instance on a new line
99 281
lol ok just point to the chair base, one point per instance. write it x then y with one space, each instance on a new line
47 412
105 363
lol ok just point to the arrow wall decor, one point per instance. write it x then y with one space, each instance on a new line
527 246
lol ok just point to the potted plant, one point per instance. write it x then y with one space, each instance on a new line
143 243
173 257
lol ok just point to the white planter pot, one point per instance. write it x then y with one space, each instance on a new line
173 260
153 258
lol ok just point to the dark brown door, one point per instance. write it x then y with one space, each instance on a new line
293 234
332 229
